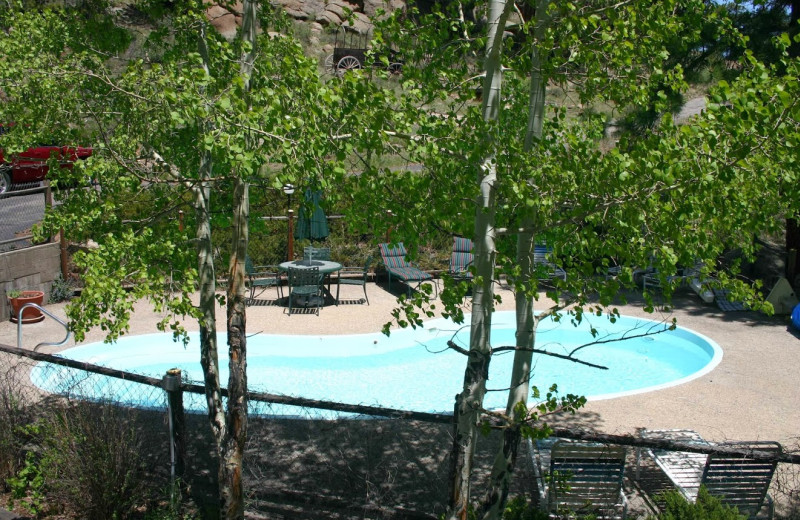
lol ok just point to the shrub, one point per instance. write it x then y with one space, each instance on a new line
706 507
61 290
517 508
13 419
92 461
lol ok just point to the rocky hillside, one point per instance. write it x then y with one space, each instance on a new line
318 13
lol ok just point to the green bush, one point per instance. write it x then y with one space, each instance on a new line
706 507
518 508
88 460
61 291
13 419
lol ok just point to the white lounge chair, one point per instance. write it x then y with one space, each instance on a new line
579 477
737 481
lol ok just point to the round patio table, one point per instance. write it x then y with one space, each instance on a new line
326 267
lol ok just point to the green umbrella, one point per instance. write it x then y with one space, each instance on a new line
315 226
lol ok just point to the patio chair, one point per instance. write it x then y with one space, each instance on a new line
305 282
394 258
354 276
316 253
547 270
579 477
262 277
737 481
461 259
319 253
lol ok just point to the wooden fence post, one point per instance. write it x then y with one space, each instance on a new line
177 423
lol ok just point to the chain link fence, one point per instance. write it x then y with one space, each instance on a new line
20 210
337 460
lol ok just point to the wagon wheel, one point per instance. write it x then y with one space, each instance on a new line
347 63
395 68
329 69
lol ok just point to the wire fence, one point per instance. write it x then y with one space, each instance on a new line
20 210
304 455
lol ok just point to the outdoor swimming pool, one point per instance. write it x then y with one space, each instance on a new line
414 369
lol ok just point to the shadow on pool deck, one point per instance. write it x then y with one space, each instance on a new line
752 394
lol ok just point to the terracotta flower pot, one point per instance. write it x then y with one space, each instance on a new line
31 314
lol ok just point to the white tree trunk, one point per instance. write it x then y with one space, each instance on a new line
209 356
469 402
233 442
228 426
520 384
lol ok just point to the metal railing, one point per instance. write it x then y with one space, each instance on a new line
46 313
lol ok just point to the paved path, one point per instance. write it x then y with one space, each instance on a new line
691 108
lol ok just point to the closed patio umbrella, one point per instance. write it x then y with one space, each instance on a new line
315 225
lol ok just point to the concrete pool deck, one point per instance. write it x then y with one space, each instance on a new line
753 394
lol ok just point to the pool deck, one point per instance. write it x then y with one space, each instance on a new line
752 394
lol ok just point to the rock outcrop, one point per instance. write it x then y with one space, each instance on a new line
225 20
357 16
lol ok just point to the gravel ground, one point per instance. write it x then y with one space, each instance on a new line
752 394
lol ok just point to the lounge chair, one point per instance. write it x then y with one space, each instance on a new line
737 481
394 258
262 277
305 282
546 269
354 276
461 259
579 477
654 280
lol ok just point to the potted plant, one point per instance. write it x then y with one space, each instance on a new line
18 299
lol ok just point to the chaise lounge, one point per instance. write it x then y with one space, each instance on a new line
394 258
737 481
582 478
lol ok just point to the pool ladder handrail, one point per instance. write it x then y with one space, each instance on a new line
44 343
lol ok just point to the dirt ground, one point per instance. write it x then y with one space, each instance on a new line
375 468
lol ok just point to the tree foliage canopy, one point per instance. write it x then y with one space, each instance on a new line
506 109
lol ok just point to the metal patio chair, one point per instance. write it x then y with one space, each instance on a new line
262 277
354 276
305 282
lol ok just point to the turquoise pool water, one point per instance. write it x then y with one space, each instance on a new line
413 369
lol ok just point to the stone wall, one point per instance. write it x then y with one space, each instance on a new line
31 268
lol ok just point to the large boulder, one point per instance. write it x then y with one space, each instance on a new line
225 21
371 7
353 13
302 9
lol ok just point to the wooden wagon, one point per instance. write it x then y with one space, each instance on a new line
350 53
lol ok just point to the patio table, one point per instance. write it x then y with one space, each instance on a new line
326 267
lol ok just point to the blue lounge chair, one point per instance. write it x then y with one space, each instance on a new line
461 259
546 269
394 258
